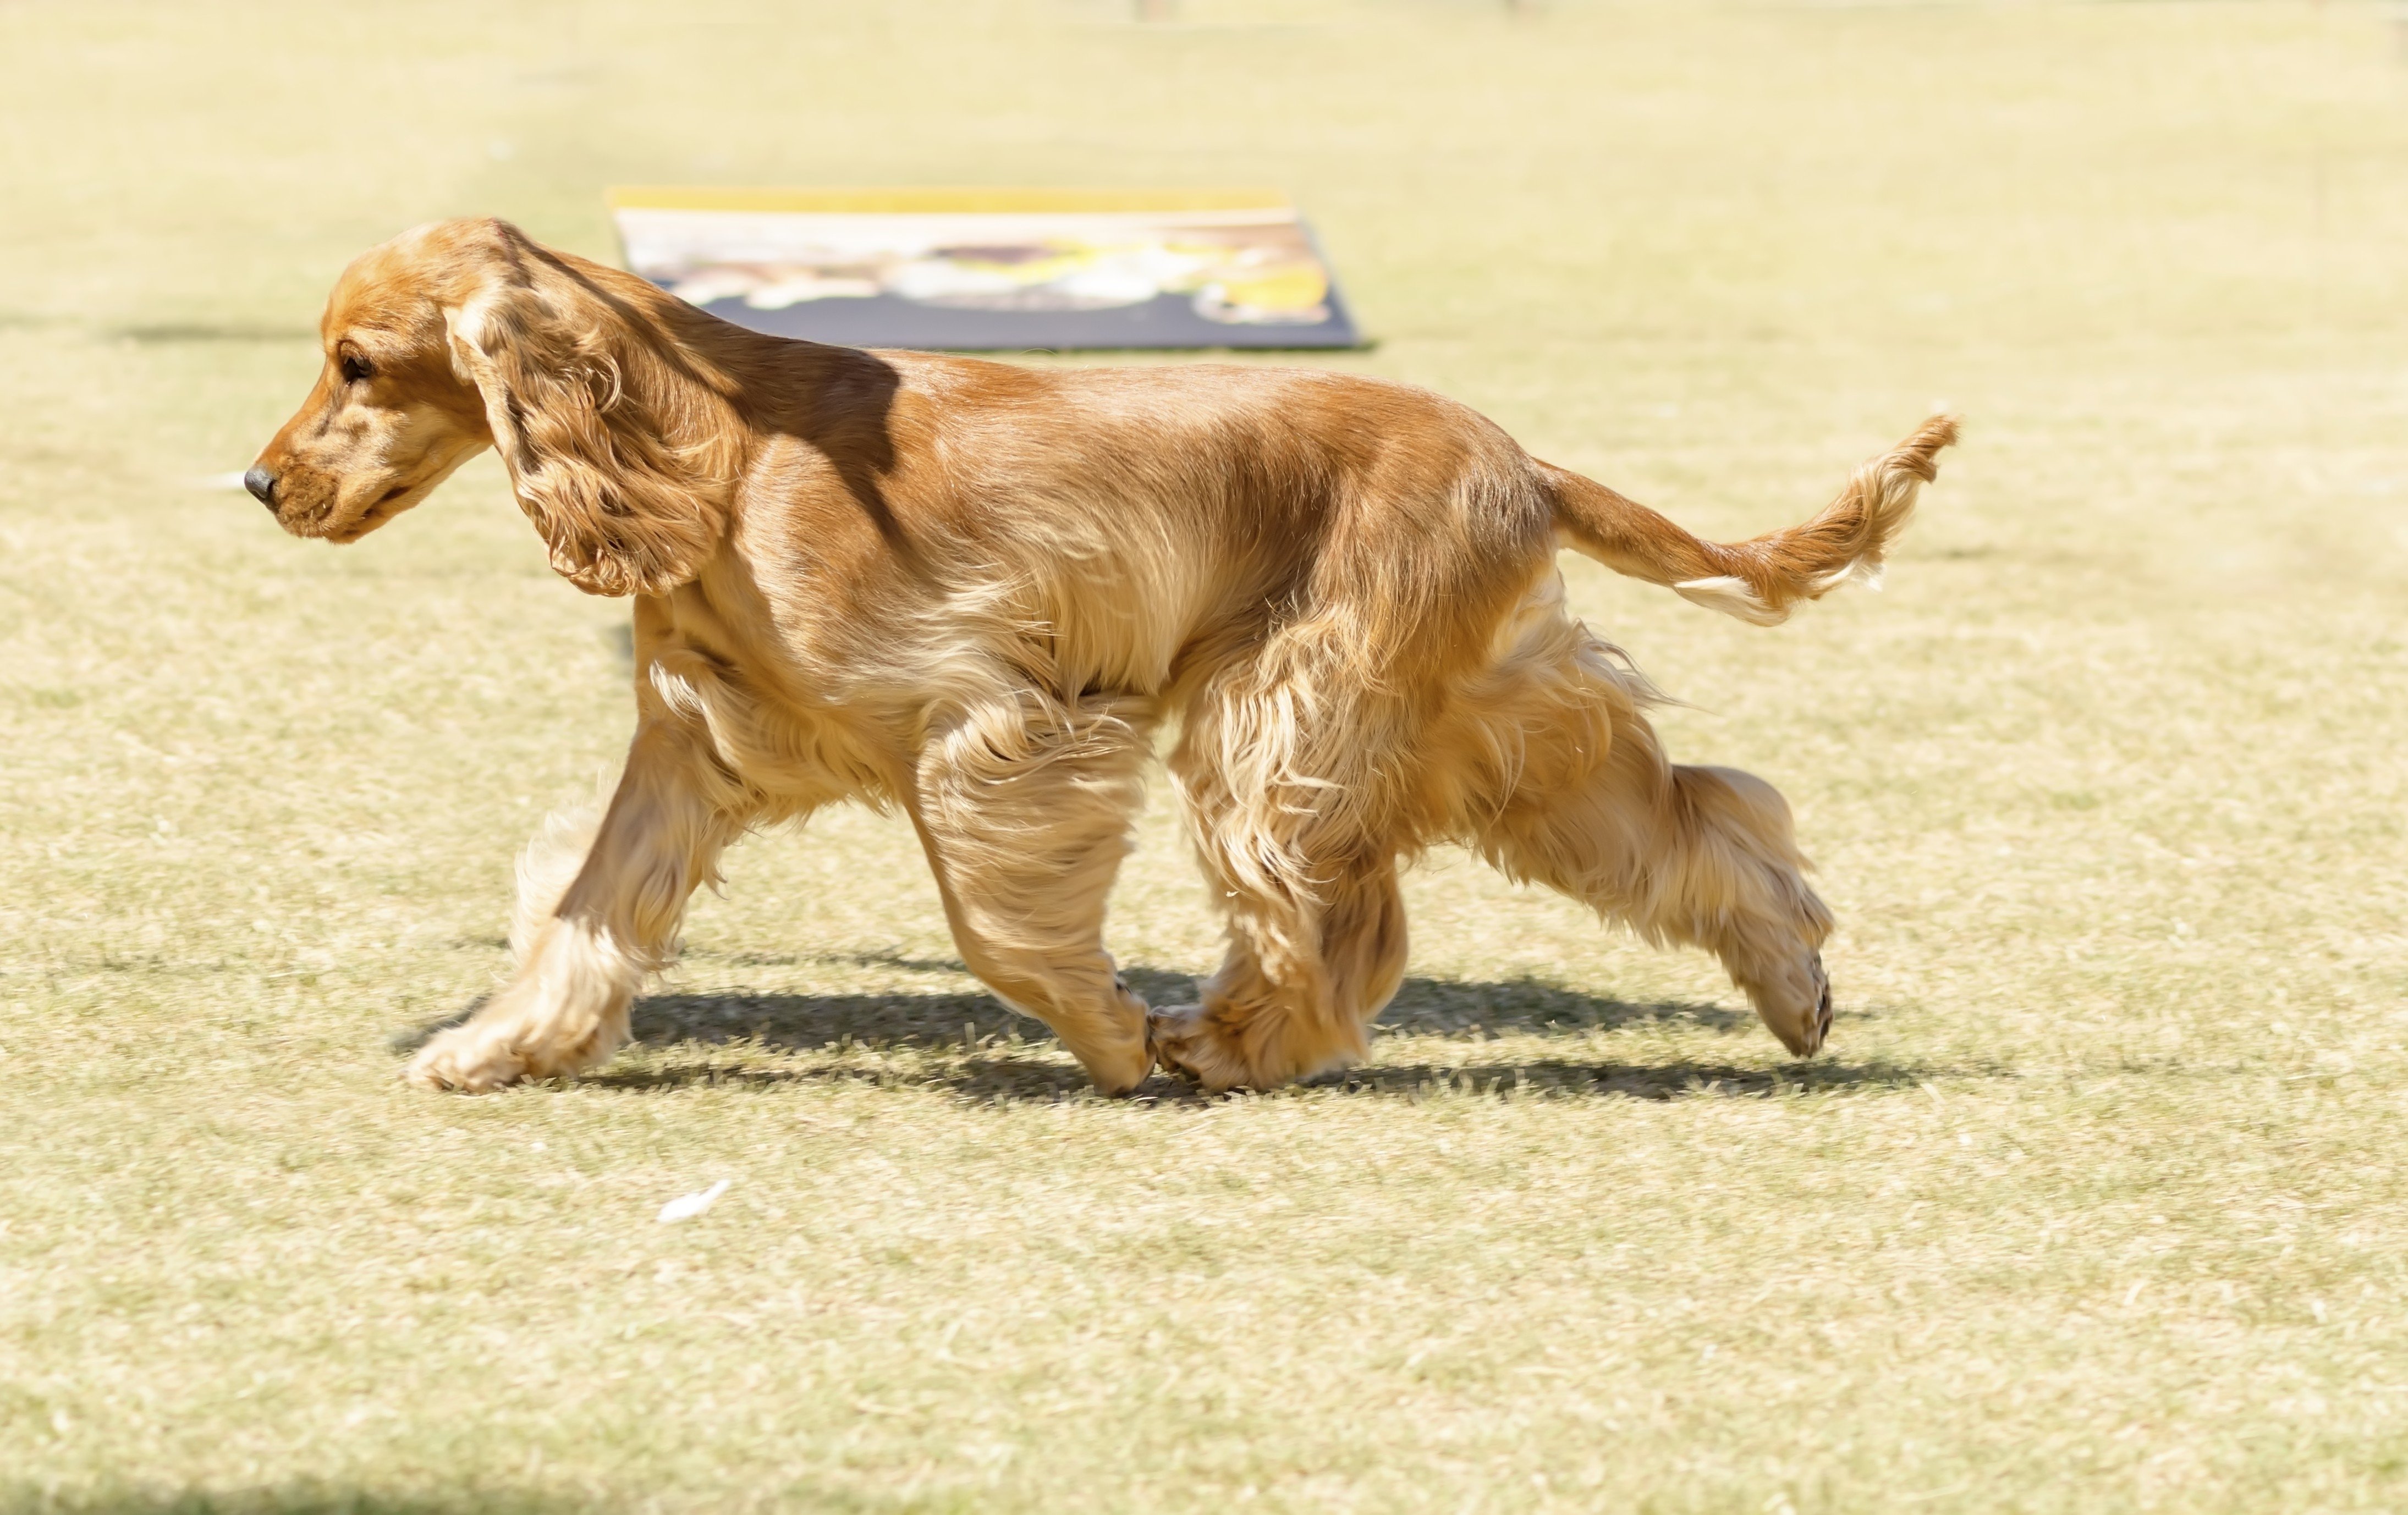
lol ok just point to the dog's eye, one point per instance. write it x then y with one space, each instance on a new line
356 368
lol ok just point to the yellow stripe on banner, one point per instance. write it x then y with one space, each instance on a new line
906 200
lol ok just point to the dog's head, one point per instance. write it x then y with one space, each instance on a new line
466 334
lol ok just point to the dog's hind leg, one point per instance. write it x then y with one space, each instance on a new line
1299 985
1588 804
1289 779
1023 804
581 960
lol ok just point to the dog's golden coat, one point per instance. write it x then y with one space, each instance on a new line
973 593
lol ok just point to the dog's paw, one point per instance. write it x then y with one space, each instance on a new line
465 1060
1118 1067
1796 1006
1185 1045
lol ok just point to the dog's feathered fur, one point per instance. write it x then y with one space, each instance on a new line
972 592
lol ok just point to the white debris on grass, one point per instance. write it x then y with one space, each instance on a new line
686 1206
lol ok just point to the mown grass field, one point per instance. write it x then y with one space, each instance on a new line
2094 1203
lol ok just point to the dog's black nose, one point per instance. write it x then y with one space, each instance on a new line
261 485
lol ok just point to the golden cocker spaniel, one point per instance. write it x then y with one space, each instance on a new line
972 592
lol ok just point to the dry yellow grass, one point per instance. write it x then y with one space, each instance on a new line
2094 1203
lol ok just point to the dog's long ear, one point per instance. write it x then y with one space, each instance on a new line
617 456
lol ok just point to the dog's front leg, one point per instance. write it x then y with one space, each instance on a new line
581 960
1024 808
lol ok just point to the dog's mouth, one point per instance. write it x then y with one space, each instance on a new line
386 506
374 516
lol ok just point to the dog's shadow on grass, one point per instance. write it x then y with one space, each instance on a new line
983 1051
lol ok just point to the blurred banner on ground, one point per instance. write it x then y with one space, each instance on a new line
992 269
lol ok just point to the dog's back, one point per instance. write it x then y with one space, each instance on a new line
1121 523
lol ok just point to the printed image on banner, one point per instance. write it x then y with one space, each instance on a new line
992 269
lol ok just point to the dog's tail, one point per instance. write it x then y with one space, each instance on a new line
1760 578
